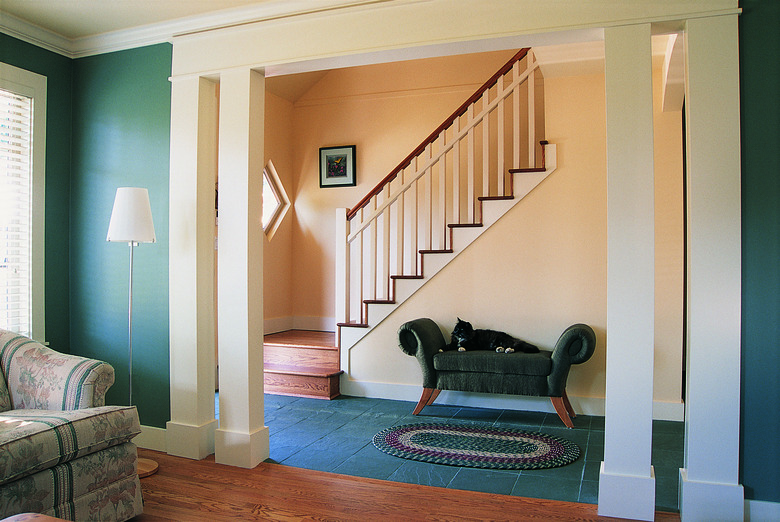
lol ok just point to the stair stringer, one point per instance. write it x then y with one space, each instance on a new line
403 288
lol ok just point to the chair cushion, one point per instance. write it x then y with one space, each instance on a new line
34 440
483 361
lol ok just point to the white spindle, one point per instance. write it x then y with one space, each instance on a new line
427 220
441 223
485 148
516 117
414 247
399 229
384 279
361 272
456 175
372 254
531 121
500 140
470 199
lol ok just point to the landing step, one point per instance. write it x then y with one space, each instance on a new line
301 363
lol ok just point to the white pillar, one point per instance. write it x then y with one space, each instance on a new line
709 483
190 432
241 439
626 481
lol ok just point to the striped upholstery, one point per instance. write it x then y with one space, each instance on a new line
40 378
33 440
62 451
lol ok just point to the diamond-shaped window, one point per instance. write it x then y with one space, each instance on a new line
275 200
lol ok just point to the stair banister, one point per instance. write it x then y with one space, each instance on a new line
435 134
399 213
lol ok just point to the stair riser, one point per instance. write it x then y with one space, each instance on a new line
295 355
302 385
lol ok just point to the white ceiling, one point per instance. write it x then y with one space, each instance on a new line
75 19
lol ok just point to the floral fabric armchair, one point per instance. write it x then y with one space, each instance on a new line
63 453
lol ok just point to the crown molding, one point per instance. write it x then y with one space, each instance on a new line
165 31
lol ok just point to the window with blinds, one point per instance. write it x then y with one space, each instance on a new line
15 212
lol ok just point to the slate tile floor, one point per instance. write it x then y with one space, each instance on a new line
336 436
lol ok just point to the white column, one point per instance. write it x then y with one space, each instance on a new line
241 439
709 483
627 481
190 432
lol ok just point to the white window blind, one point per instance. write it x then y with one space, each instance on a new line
16 212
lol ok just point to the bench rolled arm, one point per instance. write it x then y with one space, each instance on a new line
422 339
575 346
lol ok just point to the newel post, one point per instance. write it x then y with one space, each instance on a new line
342 266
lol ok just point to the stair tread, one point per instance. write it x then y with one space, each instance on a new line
437 251
530 169
302 339
465 225
495 198
311 371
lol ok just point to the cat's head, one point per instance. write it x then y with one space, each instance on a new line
463 330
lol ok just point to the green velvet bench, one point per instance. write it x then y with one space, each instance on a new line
540 374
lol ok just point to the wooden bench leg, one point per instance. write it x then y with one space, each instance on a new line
433 397
566 403
424 398
560 409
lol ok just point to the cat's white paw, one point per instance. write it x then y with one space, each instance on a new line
441 350
510 350
500 349
461 349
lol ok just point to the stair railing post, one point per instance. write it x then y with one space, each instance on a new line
342 266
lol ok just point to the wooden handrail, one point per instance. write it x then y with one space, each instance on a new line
435 134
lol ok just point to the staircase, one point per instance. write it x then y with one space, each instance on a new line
459 181
301 363
469 172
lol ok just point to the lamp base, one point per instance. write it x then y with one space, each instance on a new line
146 467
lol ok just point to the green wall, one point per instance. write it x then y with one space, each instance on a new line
58 71
759 42
121 137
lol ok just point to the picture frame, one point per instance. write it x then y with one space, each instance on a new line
337 166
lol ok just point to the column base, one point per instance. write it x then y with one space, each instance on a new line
187 440
709 500
627 496
244 450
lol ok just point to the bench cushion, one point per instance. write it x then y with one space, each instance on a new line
34 440
535 364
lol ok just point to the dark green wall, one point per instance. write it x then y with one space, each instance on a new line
121 136
58 71
759 42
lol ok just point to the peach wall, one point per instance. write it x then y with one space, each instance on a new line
543 266
277 257
386 111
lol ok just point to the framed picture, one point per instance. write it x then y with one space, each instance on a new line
337 166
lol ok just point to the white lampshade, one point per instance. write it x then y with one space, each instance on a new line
131 218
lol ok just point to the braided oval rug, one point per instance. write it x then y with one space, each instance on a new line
476 446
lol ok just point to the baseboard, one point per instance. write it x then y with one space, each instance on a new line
277 324
316 323
151 438
761 510
299 322
407 392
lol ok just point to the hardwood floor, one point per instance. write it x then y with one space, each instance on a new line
189 490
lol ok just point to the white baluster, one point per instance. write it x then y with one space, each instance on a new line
500 140
485 148
384 280
441 236
455 175
531 119
470 199
428 202
372 254
399 228
361 272
414 247
516 117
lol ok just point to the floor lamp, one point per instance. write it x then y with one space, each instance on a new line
131 223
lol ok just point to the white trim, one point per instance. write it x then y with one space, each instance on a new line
32 34
277 324
316 323
151 438
761 510
627 496
705 501
408 392
192 442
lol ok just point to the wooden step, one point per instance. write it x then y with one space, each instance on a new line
301 363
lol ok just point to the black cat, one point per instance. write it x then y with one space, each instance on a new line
465 337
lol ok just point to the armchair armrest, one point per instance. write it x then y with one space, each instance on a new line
575 346
422 339
41 378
